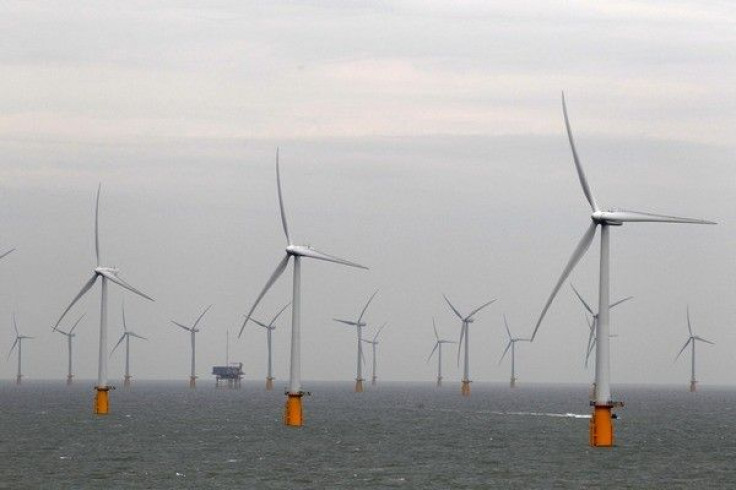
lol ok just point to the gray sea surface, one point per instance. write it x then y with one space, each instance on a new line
394 435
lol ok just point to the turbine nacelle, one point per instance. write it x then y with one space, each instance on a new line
605 217
107 270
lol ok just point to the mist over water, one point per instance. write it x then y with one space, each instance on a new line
396 435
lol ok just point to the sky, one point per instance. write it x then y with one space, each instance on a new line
424 140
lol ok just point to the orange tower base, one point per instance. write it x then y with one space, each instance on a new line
601 426
192 381
293 415
269 384
693 386
102 402
359 386
465 389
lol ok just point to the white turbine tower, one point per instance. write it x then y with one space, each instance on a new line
359 324
465 332
19 342
374 345
270 327
511 345
127 334
293 412
192 333
691 341
105 274
69 336
438 347
601 427
592 326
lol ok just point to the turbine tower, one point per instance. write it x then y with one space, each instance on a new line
293 413
270 327
601 426
691 341
374 345
105 274
465 332
69 336
127 334
511 345
193 333
19 342
438 347
359 324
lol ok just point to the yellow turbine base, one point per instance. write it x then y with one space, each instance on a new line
693 386
192 381
102 402
293 415
269 384
601 426
465 389
359 386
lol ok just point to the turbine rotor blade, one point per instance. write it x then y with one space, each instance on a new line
689 327
260 324
201 315
97 225
591 340
578 166
625 216
274 276
15 326
506 323
12 347
577 254
434 326
181 326
585 304
281 200
125 327
346 322
122 337
508 346
683 348
454 309
366 305
379 331
88 285
279 313
316 254
7 253
620 301
120 282
472 313
133 334
436 345
76 323
704 340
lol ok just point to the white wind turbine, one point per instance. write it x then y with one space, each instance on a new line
601 426
293 413
359 324
193 333
374 345
69 336
19 342
511 345
691 341
592 326
270 327
127 334
465 332
438 347
105 274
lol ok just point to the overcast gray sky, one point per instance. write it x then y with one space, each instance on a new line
423 139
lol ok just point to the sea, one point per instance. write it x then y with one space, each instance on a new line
394 435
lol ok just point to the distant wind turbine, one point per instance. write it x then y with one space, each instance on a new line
374 344
127 334
438 347
601 431
193 333
511 345
465 332
106 274
270 327
19 342
293 413
359 324
691 341
69 336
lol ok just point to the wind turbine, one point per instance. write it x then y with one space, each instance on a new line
193 332
127 334
592 326
69 336
438 347
465 332
374 344
270 327
511 345
601 427
293 413
359 324
19 342
691 341
106 274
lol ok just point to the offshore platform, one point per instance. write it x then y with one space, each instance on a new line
229 375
